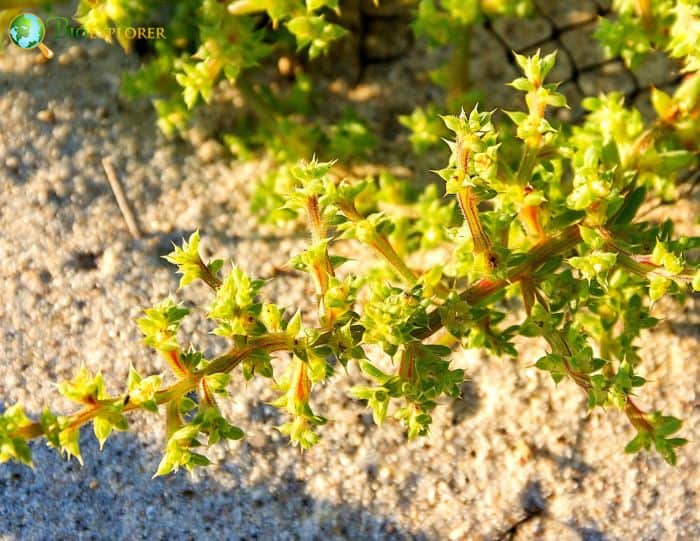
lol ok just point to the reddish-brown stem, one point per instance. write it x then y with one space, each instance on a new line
205 393
468 203
530 216
323 269
302 383
172 357
316 225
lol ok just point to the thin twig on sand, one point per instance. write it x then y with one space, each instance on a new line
122 202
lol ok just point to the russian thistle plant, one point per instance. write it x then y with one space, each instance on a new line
551 220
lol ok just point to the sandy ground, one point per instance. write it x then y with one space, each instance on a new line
515 458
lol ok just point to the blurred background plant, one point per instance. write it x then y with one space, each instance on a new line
269 52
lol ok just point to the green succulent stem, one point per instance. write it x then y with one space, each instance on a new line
459 65
214 282
634 413
640 265
383 247
633 266
270 343
528 159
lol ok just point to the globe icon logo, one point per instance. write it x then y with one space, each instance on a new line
27 31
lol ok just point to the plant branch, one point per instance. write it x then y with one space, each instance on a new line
383 247
208 277
468 203
223 363
459 66
485 288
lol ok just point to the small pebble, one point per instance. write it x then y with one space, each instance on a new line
32 280
46 115
109 262
64 59
12 163
210 151
285 66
